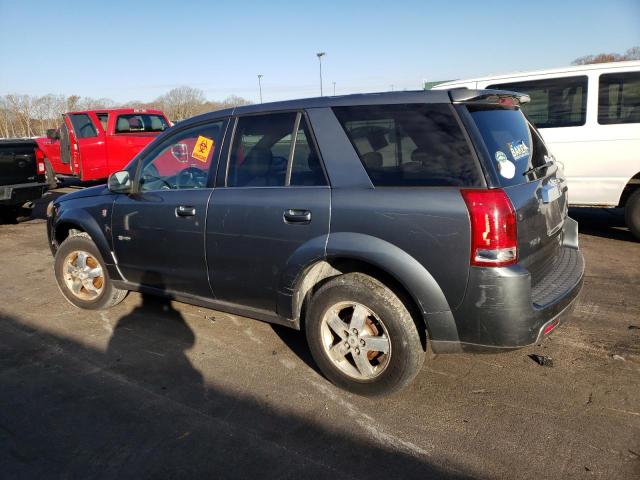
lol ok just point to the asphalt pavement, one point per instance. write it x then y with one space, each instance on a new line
159 389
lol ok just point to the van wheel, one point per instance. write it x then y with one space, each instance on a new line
362 336
82 276
632 213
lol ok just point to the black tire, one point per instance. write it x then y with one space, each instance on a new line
108 295
406 354
50 175
632 213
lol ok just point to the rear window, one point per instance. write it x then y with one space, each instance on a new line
136 123
555 102
619 98
513 146
410 145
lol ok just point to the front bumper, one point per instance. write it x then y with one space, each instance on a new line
508 307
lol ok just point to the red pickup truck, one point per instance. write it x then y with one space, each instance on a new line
92 144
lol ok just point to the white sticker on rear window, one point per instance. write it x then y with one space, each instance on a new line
518 149
506 167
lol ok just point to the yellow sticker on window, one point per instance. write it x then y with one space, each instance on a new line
202 148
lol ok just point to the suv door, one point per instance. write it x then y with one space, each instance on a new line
273 201
158 230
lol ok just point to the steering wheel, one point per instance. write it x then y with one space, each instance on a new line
191 177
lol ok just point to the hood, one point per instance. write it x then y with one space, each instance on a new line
84 193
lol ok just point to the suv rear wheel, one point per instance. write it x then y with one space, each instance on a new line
362 336
82 276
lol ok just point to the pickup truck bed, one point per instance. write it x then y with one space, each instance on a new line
22 173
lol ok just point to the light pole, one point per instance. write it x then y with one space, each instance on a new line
260 86
334 89
320 55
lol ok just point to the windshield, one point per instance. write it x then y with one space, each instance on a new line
513 146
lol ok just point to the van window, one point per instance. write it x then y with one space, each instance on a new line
619 98
555 102
83 126
410 145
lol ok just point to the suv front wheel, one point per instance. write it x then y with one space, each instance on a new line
82 276
362 336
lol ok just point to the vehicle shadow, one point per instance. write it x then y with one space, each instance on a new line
296 341
142 409
602 222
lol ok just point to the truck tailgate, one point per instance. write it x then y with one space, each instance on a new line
18 162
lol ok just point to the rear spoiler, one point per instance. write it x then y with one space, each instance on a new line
491 97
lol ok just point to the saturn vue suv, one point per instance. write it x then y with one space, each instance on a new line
380 224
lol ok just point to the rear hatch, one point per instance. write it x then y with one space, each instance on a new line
18 162
516 160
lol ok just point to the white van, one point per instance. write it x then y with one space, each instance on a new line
589 117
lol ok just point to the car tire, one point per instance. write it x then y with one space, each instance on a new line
632 213
50 176
82 275
362 336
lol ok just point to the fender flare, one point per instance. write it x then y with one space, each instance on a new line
405 269
85 222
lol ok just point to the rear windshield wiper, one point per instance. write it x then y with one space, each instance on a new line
539 167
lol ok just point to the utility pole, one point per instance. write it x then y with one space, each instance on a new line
334 89
320 55
260 86
392 87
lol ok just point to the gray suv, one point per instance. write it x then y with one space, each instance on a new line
379 223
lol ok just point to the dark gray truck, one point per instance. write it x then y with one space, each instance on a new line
379 224
22 175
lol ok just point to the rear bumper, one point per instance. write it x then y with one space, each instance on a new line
21 193
503 310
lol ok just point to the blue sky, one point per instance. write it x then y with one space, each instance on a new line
128 50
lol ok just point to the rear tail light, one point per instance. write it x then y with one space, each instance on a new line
494 240
40 161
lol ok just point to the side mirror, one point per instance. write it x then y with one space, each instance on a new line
180 152
53 134
120 182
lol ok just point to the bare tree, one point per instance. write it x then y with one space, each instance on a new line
631 54
182 102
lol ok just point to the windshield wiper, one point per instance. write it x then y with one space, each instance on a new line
539 167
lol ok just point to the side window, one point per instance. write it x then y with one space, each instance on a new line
182 160
410 144
260 150
83 126
104 118
619 98
555 102
306 169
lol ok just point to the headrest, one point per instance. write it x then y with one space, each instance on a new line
123 125
372 159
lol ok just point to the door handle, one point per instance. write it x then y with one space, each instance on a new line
185 211
293 215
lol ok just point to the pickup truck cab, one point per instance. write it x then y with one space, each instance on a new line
92 144
376 223
22 175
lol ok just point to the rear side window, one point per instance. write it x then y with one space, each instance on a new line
619 98
512 144
410 144
83 126
555 102
264 153
137 123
